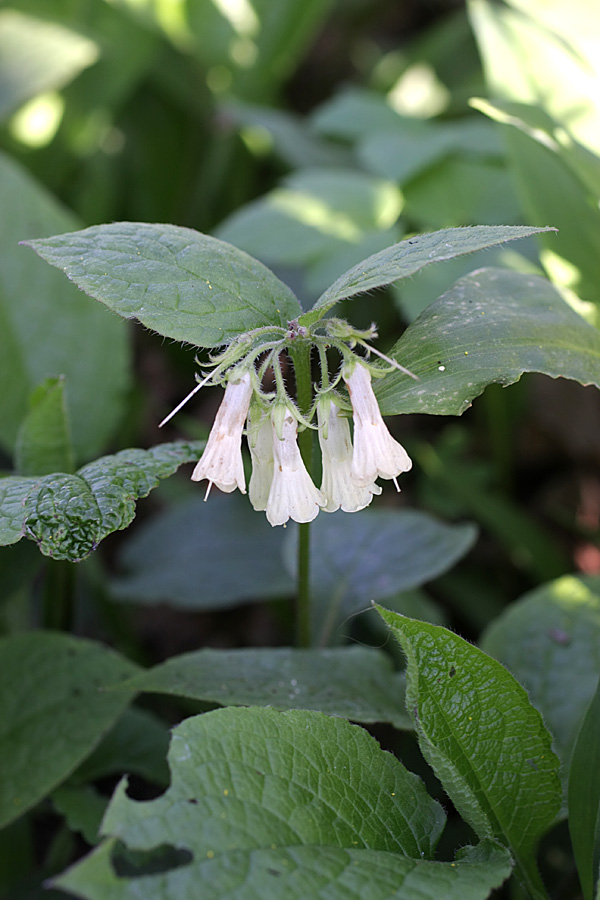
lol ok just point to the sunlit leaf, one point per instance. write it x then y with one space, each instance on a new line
491 326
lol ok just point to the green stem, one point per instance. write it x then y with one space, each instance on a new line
59 595
300 354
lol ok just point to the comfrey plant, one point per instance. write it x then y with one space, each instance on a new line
280 484
293 800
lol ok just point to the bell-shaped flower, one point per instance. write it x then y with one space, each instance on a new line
337 486
221 463
376 453
260 442
292 494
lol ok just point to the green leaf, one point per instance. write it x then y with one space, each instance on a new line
183 284
53 711
37 56
484 740
550 640
47 329
291 804
460 190
491 326
83 808
44 441
137 744
297 873
584 799
68 515
410 256
358 559
160 563
541 56
354 683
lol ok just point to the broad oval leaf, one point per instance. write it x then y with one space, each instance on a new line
491 326
53 711
298 873
410 256
183 284
358 559
550 640
160 562
483 738
295 804
68 515
355 683
47 329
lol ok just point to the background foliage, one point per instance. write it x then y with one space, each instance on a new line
311 135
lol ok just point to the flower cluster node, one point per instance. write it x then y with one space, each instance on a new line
280 484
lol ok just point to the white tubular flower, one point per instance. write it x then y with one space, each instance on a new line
260 441
292 494
376 453
221 462
337 487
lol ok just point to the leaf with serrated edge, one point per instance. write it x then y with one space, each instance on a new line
355 683
491 326
483 738
183 284
409 256
292 804
550 640
68 515
53 711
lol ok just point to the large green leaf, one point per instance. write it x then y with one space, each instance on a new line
264 804
358 559
491 326
185 285
410 256
241 560
584 799
44 440
485 741
36 56
544 56
47 329
356 683
550 641
68 515
53 711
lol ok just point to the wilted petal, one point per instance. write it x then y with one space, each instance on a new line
221 463
338 488
376 453
260 441
293 494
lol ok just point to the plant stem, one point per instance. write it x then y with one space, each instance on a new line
300 354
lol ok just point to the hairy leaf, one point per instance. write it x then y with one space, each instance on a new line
185 285
355 683
485 741
550 641
410 256
491 326
68 515
269 804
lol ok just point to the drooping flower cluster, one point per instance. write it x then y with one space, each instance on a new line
280 484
